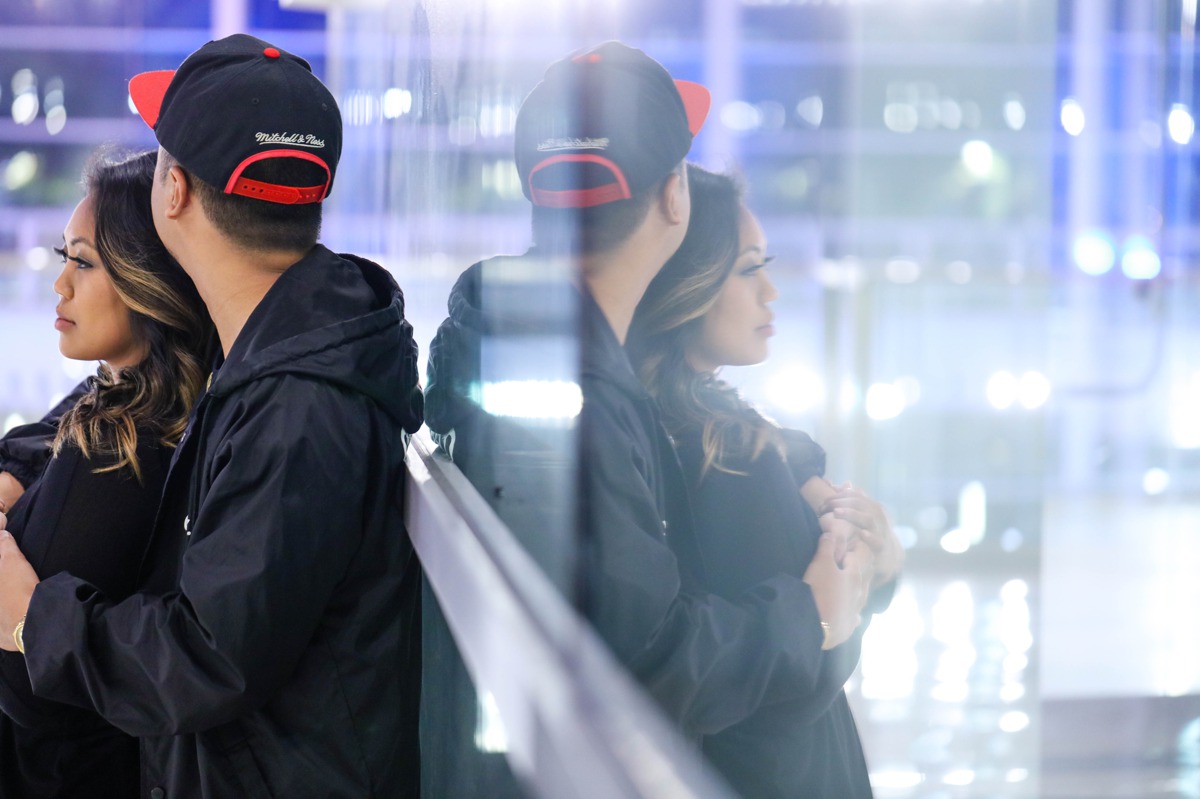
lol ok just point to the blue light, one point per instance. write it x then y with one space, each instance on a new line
1094 252
1140 261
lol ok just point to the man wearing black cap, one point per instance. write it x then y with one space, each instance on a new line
274 647
600 144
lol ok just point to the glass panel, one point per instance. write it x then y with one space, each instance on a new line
982 216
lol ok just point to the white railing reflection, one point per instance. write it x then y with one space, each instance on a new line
575 723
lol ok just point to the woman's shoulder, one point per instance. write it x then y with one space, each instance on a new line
805 457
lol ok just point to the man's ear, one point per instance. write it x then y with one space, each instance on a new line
674 200
179 192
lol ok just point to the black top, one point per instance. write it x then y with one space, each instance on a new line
95 525
25 450
273 647
749 526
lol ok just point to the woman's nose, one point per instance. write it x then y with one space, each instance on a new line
768 292
62 283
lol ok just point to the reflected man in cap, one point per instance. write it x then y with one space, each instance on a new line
600 148
273 648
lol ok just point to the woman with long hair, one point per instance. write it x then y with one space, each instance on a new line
760 501
125 302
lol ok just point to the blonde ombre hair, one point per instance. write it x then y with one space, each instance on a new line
669 319
166 313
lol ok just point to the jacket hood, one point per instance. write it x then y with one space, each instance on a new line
338 318
503 296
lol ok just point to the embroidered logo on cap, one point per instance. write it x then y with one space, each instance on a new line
549 145
293 139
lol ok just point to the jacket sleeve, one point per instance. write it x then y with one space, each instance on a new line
273 537
96 522
25 450
709 662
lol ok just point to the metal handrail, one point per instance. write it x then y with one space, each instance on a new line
577 724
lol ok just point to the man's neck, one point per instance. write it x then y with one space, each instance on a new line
617 280
232 282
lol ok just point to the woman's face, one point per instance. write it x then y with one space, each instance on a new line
93 323
735 331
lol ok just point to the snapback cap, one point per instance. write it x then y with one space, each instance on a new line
603 125
237 101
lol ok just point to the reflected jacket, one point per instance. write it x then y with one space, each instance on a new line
273 648
751 523
710 662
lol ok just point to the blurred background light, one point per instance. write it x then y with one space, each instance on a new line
1011 539
1014 112
1094 252
978 158
741 116
1180 124
1140 261
1155 481
490 734
1071 114
896 780
1033 389
25 108
972 519
795 388
902 270
889 665
21 169
37 258
900 117
1014 721
361 108
25 103
959 272
56 120
884 401
496 119
1002 389
950 114
811 110
533 399
396 103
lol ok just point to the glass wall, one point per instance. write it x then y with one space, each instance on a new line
983 221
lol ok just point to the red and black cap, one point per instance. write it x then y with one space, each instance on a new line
237 101
603 125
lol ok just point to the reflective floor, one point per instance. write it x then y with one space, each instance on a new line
946 698
1079 679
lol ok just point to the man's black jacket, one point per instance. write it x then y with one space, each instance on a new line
274 648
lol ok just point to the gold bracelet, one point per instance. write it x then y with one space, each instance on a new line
19 635
825 628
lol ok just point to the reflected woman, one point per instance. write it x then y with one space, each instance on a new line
123 301
759 498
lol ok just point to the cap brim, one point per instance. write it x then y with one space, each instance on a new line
696 101
148 89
